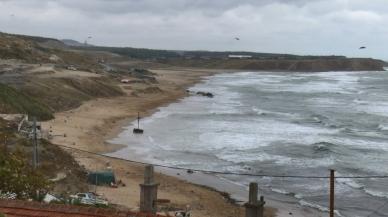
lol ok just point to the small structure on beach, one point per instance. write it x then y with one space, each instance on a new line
138 130
101 178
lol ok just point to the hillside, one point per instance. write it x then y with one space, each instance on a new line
303 65
144 53
18 48
31 49
39 83
70 52
14 101
74 43
259 61
64 93
54 163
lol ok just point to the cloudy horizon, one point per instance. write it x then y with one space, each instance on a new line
315 27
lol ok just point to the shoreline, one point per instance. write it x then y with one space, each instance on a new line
280 204
132 173
89 126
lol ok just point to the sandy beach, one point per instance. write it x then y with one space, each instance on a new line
92 124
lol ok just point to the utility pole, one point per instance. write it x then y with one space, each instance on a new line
332 179
35 145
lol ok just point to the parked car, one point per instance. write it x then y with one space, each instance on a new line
89 199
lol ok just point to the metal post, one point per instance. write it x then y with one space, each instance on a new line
332 178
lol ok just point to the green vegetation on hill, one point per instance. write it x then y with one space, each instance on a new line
14 101
61 94
12 47
17 175
137 53
303 65
142 53
40 49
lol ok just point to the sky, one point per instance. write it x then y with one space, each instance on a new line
309 27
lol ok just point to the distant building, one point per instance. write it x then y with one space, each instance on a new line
231 56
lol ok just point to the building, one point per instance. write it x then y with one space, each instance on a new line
231 56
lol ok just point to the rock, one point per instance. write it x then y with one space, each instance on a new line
207 94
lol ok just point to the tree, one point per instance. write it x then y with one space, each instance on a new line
16 176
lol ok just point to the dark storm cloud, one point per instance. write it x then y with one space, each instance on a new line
161 6
290 26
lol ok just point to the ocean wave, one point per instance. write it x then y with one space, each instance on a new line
267 112
360 102
283 191
382 127
351 183
318 207
362 133
323 147
376 193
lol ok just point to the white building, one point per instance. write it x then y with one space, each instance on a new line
239 56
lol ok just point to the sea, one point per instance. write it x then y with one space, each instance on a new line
279 124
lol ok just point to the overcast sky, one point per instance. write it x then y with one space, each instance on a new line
314 27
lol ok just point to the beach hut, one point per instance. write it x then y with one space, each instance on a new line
101 178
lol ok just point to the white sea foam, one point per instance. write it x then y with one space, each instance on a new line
349 182
277 159
280 191
319 207
383 127
376 193
232 129
376 108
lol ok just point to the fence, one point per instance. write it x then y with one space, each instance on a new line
253 207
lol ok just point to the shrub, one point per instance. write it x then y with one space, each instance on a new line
18 177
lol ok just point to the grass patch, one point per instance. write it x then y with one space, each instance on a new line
62 94
12 101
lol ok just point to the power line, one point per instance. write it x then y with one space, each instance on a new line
225 173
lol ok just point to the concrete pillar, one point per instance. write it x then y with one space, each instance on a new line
148 191
254 208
